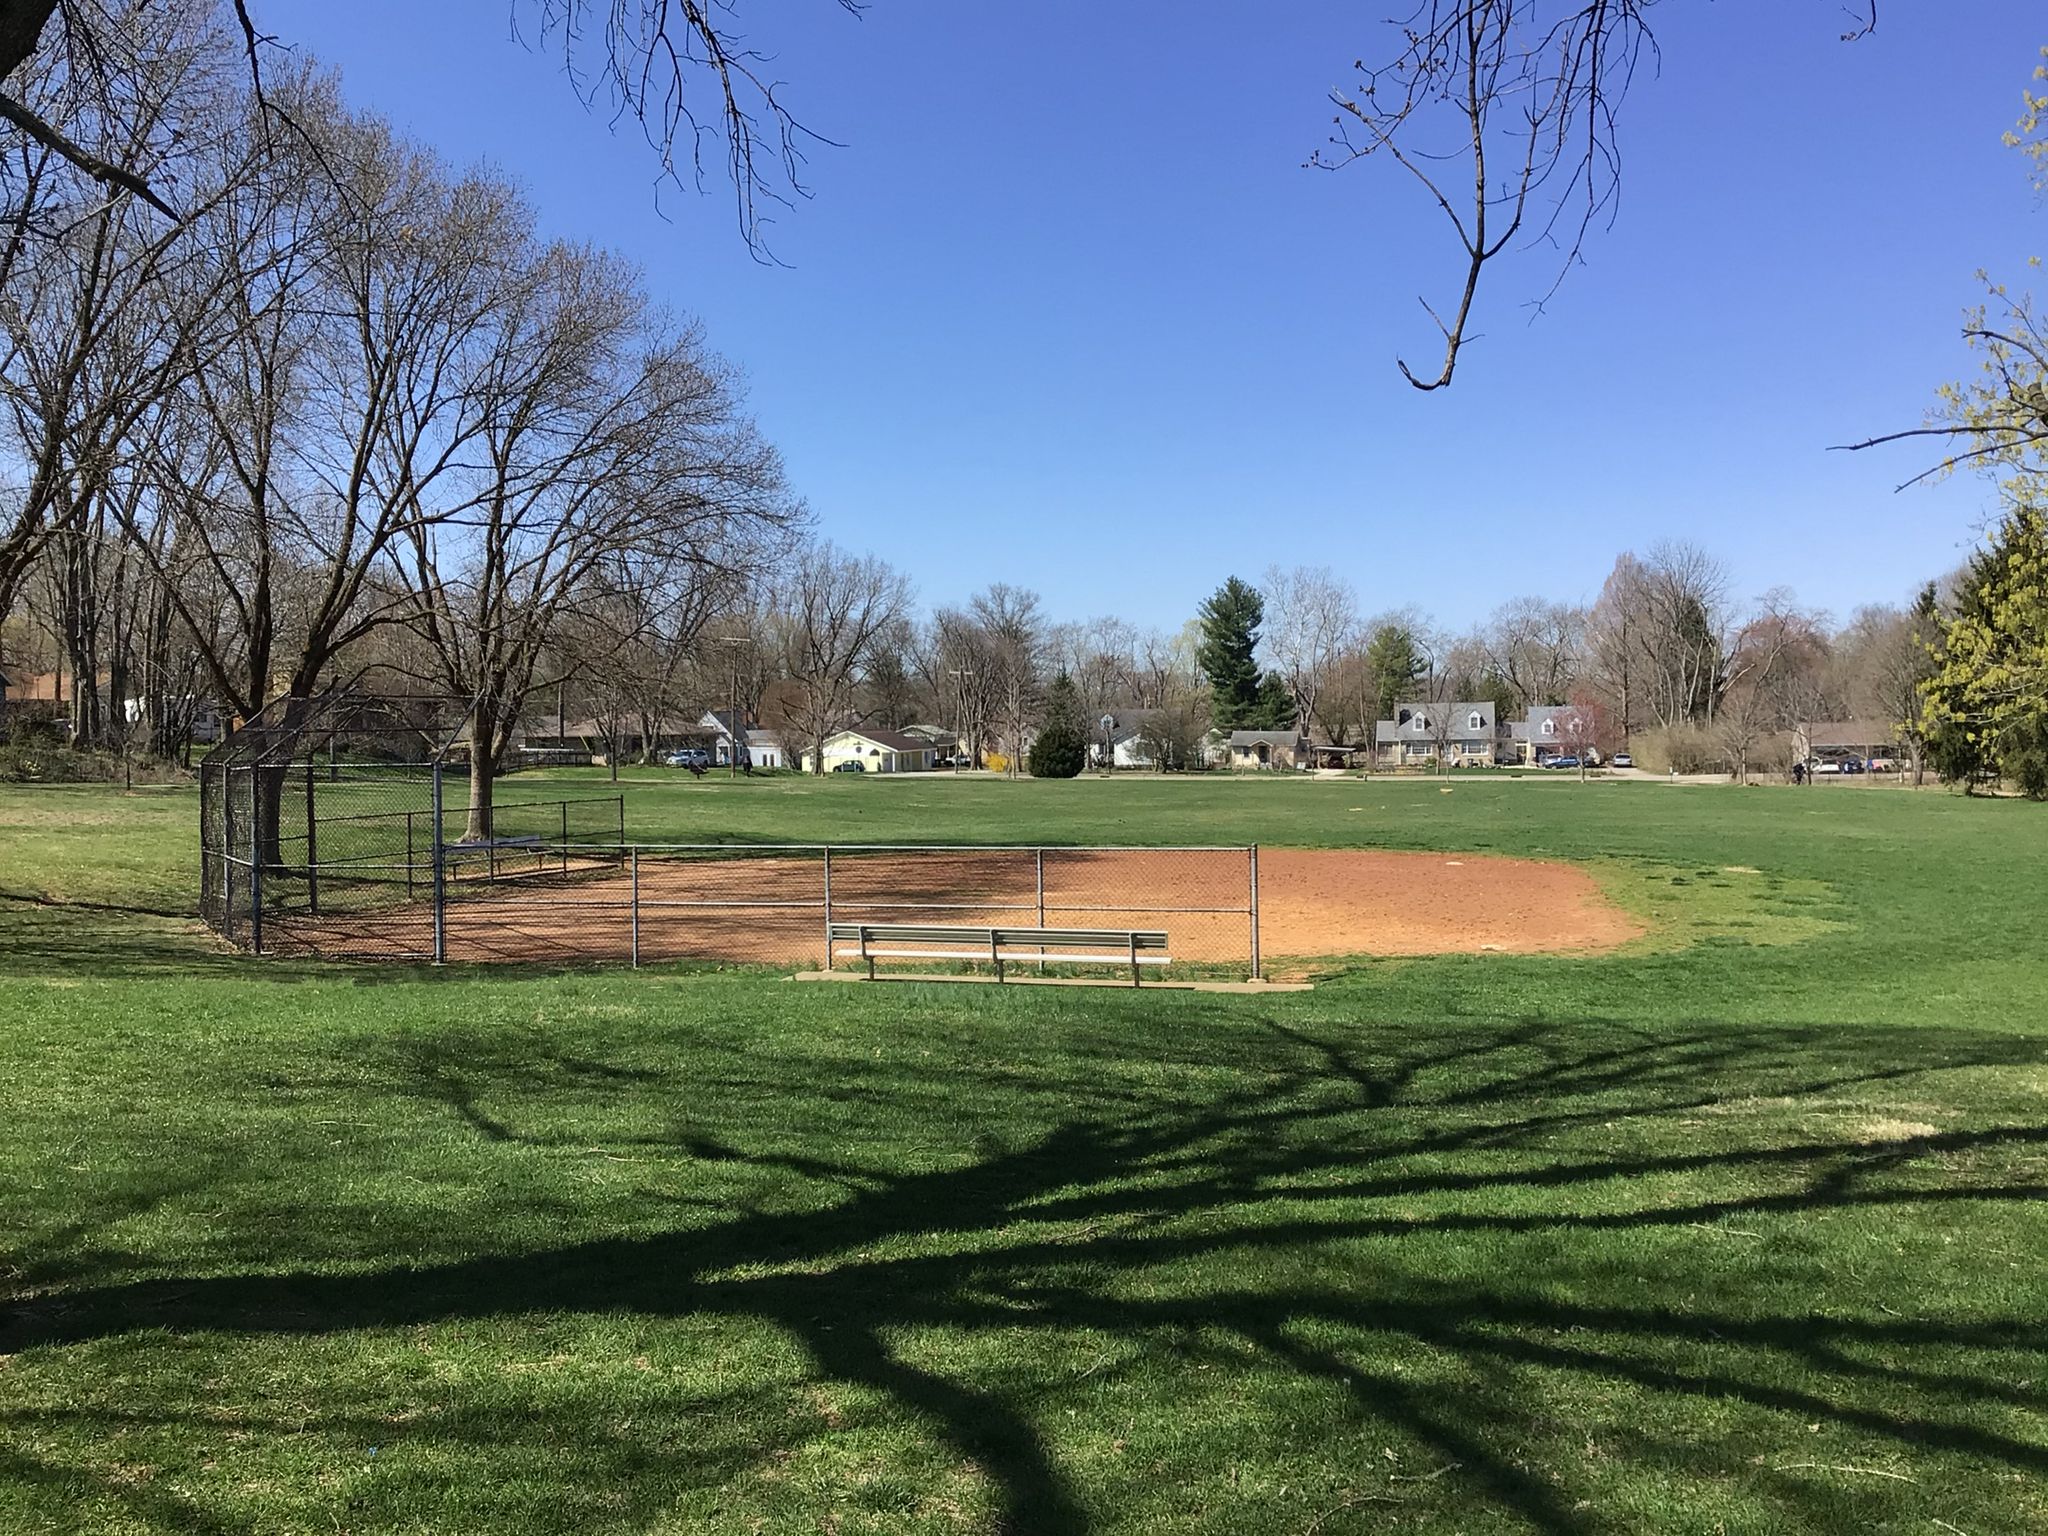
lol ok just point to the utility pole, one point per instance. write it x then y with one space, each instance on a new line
735 727
959 708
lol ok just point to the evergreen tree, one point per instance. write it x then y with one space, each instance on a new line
1230 622
1987 703
1392 666
1062 746
1275 710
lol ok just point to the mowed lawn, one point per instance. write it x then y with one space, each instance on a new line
1740 1229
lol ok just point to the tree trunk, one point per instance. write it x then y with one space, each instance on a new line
483 740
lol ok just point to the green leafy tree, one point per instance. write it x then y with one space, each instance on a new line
1062 746
1230 622
1987 703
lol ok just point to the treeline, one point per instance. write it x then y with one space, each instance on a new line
343 408
1666 661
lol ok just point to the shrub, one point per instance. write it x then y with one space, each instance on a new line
1061 751
1684 748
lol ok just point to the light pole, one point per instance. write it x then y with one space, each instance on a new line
960 708
735 729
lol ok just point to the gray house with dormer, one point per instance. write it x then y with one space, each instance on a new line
1552 731
1467 732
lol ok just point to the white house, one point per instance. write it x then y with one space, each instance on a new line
877 751
1119 738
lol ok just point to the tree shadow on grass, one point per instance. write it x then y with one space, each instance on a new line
1180 1211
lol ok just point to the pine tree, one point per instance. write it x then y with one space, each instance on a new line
1392 666
1230 622
1061 749
1275 710
1987 703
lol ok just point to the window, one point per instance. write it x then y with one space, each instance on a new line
1420 722
1550 727
1475 721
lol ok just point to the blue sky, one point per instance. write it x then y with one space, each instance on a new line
1066 311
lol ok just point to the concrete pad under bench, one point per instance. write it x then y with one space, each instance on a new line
1253 988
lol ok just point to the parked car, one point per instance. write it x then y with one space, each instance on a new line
1852 765
689 757
1827 765
1564 762
957 760
850 765
1623 760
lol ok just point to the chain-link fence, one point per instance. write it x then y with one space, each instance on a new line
341 825
773 905
350 827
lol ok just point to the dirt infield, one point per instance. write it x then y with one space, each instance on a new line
769 908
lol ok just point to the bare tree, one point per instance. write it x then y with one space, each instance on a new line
690 78
608 453
1772 655
830 609
88 348
1655 637
1013 626
1488 104
1506 114
1311 616
1888 657
682 69
959 666
1537 648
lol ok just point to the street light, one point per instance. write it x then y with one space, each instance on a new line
961 704
734 726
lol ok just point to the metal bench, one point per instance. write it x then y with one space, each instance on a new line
1000 947
489 848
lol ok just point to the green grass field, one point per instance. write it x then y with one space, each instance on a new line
1739 1229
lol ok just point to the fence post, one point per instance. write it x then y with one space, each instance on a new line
256 874
565 837
440 878
312 850
635 857
226 779
1255 911
408 855
1040 853
828 907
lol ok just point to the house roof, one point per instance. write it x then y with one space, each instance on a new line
1532 727
721 720
1849 733
760 738
895 741
1459 716
1287 738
